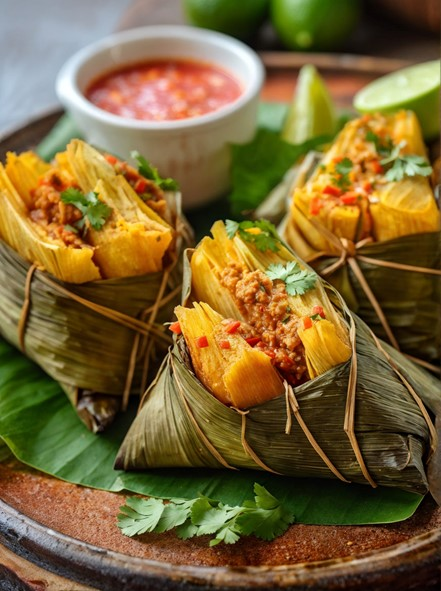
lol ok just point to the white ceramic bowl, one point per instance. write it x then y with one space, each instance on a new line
194 151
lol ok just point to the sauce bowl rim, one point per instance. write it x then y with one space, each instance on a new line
72 97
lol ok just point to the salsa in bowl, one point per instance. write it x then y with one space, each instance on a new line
203 87
164 90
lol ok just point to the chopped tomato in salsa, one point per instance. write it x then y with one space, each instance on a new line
164 90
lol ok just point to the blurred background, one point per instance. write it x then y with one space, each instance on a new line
36 37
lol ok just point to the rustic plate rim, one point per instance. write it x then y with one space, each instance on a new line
30 539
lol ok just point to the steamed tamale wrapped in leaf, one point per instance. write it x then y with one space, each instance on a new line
91 271
358 410
275 294
367 219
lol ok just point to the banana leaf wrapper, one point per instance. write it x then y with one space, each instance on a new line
90 338
383 435
101 339
392 278
394 286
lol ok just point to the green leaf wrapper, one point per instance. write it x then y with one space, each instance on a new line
35 417
182 424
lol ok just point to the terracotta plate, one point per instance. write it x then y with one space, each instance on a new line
71 531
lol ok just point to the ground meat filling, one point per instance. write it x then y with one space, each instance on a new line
51 213
271 325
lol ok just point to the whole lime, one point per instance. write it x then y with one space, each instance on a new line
238 18
314 25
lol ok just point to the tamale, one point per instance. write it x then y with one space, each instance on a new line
89 261
132 238
366 417
367 220
261 286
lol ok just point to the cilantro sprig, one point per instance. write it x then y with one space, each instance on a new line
297 281
150 172
399 165
261 233
402 165
383 145
341 175
265 517
94 211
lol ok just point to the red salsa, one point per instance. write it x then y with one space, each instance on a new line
164 90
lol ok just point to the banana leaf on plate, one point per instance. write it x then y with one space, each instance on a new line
90 270
367 417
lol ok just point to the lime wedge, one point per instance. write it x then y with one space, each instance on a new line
416 88
311 111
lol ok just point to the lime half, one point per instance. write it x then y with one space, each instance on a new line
416 88
311 111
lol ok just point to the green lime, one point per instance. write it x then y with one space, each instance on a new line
311 111
416 88
238 18
320 25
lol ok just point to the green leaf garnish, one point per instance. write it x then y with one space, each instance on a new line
400 165
341 178
140 516
405 165
70 228
261 233
297 281
94 211
344 167
383 145
265 517
150 172
316 317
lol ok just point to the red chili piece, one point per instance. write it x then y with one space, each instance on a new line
349 198
315 206
307 322
252 341
111 159
232 327
175 327
331 190
202 342
376 167
140 186
367 186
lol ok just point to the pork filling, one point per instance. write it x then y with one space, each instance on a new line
51 213
271 326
